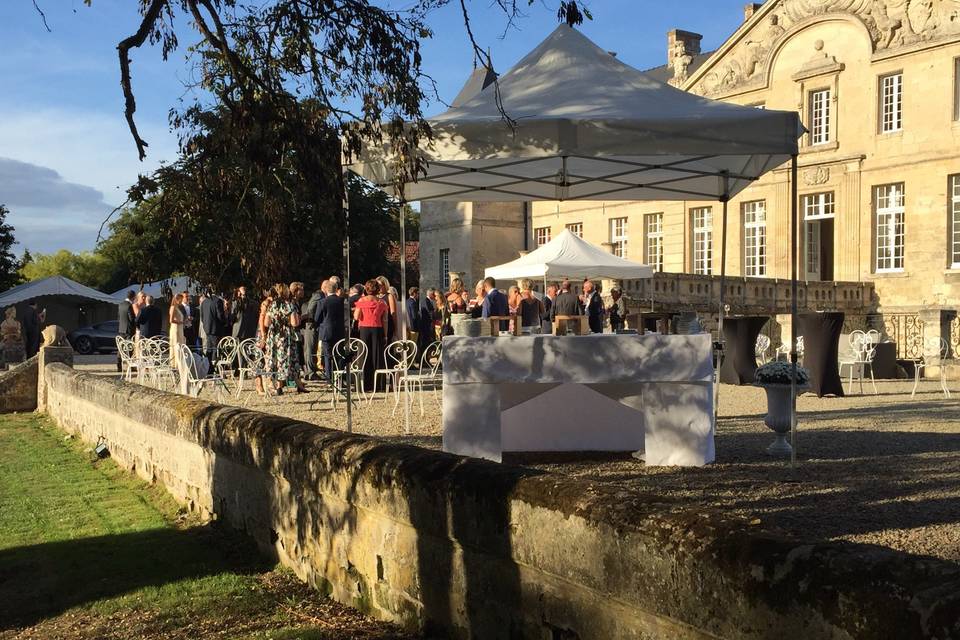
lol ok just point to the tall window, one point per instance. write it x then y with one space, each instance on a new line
816 207
891 103
444 269
820 116
576 228
889 229
954 225
618 236
755 238
702 240
956 88
653 251
541 236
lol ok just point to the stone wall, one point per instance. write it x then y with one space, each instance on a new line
473 549
18 387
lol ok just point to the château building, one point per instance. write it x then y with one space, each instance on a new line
877 83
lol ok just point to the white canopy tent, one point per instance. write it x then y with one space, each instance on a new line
569 256
585 126
589 127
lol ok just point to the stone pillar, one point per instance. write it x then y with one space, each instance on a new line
49 355
936 326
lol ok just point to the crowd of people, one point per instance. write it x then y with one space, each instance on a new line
297 332
535 313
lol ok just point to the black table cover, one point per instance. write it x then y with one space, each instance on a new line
821 344
740 361
885 361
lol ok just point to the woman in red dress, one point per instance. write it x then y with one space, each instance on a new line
372 315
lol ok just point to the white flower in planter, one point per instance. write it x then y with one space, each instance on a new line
779 372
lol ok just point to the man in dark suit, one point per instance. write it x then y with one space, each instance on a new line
494 303
30 326
149 320
413 309
308 329
191 317
213 317
244 316
330 323
551 295
566 304
427 335
593 306
126 321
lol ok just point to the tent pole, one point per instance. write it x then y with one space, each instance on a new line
723 296
793 310
402 310
346 307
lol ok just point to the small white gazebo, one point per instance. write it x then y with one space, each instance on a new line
569 256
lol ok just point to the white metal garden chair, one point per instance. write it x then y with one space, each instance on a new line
398 357
761 348
430 373
348 357
931 348
253 366
784 350
126 349
227 350
154 366
859 358
196 383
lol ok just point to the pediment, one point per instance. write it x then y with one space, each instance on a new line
744 60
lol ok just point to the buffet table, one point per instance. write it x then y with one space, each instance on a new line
646 393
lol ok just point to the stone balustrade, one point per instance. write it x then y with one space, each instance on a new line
674 292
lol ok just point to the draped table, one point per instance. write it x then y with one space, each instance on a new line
739 356
821 346
603 392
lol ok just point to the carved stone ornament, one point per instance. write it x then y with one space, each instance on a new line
680 63
816 176
891 24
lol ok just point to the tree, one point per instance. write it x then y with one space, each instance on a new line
88 268
9 265
288 90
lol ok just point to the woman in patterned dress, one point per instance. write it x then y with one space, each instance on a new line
282 318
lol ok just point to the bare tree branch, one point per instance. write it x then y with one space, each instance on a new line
43 16
150 18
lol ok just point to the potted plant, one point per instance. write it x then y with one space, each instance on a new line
774 377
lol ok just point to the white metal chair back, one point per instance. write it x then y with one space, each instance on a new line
354 351
226 354
188 364
126 350
251 355
761 347
432 359
400 355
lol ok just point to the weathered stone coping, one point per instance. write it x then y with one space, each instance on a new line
18 387
482 550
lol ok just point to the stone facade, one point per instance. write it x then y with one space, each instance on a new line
830 60
474 235
18 387
466 548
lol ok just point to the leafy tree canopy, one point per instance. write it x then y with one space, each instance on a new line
9 265
86 267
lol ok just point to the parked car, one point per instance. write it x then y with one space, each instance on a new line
97 338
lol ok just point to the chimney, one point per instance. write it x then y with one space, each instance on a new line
749 9
690 40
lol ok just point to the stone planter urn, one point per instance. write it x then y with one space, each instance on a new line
778 417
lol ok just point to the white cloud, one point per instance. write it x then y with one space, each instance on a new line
90 148
47 211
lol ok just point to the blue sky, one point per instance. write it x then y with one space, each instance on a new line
66 156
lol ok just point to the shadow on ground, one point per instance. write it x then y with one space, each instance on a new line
44 580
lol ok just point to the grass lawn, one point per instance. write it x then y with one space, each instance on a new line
87 550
